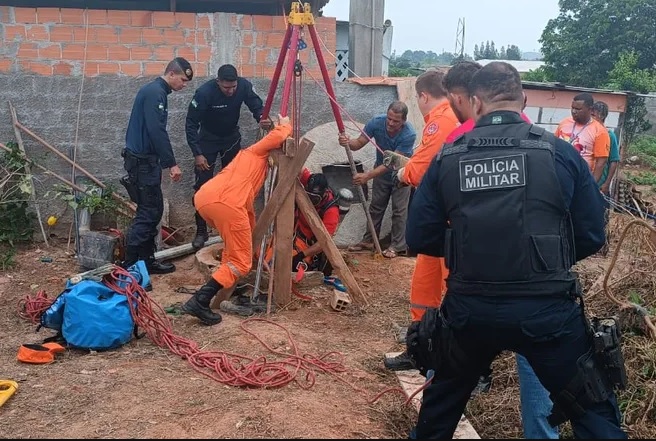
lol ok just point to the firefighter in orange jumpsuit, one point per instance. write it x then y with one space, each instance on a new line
225 202
428 279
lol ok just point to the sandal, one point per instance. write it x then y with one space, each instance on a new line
362 246
390 253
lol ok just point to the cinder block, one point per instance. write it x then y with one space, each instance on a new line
340 300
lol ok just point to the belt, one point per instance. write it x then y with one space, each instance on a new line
125 153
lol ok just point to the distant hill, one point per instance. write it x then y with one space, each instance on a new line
531 56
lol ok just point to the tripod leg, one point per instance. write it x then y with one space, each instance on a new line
289 74
276 73
340 127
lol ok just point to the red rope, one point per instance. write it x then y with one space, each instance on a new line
224 367
346 113
31 308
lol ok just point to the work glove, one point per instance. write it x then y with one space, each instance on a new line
396 182
393 160
297 259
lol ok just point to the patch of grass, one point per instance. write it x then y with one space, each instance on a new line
645 148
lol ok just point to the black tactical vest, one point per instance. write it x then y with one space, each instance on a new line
510 231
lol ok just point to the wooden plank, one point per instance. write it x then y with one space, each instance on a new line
285 184
284 233
327 244
411 380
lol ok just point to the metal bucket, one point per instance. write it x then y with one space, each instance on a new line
339 176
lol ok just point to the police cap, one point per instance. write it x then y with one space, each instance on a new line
185 66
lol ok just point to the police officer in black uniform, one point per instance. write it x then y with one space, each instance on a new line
511 209
147 151
212 128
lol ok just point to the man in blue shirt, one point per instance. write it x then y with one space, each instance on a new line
511 209
392 132
147 151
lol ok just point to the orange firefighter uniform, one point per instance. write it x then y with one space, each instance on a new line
425 290
226 203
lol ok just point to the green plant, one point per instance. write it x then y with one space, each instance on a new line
95 199
16 220
644 147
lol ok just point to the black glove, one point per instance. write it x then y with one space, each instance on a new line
297 259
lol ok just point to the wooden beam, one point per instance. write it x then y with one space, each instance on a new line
284 233
96 181
285 184
327 245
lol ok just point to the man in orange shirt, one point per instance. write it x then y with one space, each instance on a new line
586 134
428 277
225 202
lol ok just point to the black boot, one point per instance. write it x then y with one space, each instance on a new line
401 362
156 267
201 233
131 256
199 304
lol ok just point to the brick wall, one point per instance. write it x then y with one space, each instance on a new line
60 41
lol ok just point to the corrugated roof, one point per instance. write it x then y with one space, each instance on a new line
561 86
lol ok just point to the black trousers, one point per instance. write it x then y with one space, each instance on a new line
146 174
549 332
218 156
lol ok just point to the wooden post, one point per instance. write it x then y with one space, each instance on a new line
327 245
285 184
284 233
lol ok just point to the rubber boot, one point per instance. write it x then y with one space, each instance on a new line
201 233
199 304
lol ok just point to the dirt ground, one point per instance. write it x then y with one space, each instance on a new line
144 391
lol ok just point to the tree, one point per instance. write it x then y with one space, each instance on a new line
626 75
572 41
513 53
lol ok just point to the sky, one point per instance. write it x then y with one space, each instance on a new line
433 24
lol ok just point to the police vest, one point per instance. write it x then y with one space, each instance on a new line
510 231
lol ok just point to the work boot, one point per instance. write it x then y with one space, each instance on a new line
201 233
242 306
401 362
156 267
131 257
199 304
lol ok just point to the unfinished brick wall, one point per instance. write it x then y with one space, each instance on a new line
61 41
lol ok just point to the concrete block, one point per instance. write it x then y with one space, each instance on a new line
339 300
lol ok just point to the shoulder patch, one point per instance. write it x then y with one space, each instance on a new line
498 172
194 103
160 106
432 128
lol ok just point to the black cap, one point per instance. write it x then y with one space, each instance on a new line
227 72
185 66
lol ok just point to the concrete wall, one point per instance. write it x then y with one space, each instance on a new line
651 109
68 41
48 106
